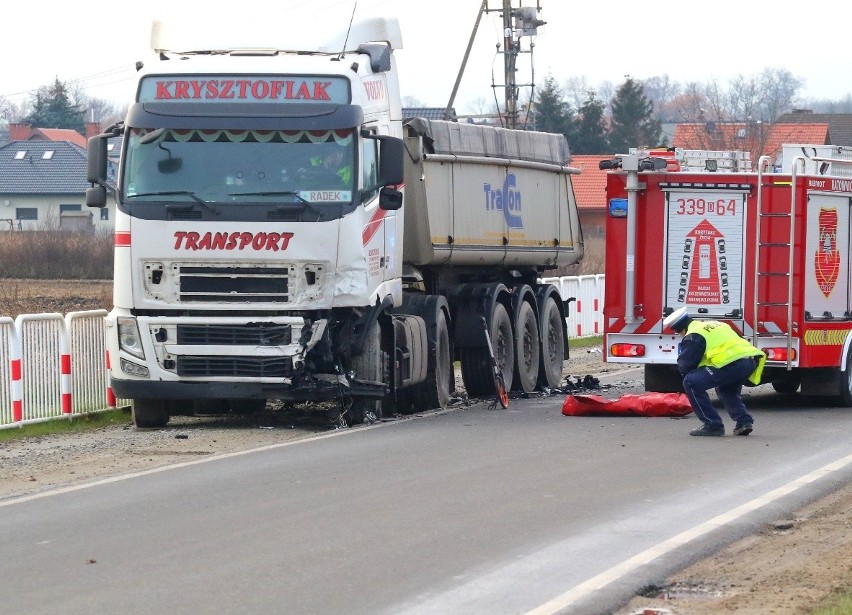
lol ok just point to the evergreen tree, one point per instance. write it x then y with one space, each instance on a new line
53 108
633 123
590 132
552 113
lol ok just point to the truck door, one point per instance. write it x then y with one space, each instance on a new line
384 222
704 252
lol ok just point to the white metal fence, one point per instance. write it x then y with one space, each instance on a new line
585 312
53 366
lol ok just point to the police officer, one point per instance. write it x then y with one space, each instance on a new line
712 354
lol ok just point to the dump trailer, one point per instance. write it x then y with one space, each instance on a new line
247 268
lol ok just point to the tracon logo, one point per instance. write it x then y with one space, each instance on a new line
507 200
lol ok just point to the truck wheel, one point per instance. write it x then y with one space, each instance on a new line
434 392
476 363
527 349
368 366
663 379
552 345
150 413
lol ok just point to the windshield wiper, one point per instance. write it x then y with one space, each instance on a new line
188 193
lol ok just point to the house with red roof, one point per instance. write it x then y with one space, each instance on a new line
43 181
590 193
754 137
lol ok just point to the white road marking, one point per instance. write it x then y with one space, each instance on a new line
583 590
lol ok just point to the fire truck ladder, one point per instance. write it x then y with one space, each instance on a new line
769 257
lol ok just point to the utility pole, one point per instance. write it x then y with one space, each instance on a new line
517 23
510 57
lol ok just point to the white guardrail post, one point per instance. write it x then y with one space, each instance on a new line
88 361
10 370
43 355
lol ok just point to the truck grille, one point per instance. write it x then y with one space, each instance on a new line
249 334
245 367
234 284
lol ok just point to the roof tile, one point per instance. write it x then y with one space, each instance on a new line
590 184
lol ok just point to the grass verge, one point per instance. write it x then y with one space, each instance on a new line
836 605
585 342
85 422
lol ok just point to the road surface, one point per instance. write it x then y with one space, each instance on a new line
474 510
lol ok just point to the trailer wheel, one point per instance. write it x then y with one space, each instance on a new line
476 363
663 379
368 366
150 413
434 392
846 382
552 345
527 349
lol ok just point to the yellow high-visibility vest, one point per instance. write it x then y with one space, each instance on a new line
724 346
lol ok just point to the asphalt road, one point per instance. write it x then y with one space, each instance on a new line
468 511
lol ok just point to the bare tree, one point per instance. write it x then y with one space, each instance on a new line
11 112
660 91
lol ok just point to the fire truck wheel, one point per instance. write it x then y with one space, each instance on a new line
846 382
368 366
552 345
789 384
527 349
149 413
476 362
663 379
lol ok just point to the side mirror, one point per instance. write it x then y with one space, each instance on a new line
390 199
391 161
96 171
96 196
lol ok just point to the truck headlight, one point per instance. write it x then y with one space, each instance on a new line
129 339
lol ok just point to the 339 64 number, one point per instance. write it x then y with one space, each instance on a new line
703 207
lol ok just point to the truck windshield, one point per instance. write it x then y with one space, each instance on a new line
312 168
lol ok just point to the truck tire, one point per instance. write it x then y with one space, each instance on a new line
552 345
368 365
663 379
527 349
434 392
150 413
476 362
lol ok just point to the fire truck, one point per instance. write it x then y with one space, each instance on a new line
764 249
281 233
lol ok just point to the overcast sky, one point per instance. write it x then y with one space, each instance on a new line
97 41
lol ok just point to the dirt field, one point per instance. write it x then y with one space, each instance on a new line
62 296
786 569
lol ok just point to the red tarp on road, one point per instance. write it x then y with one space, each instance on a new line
645 404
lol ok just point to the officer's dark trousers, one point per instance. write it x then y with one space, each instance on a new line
728 382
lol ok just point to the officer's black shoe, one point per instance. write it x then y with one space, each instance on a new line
705 430
743 429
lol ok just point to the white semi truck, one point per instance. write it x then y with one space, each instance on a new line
247 268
